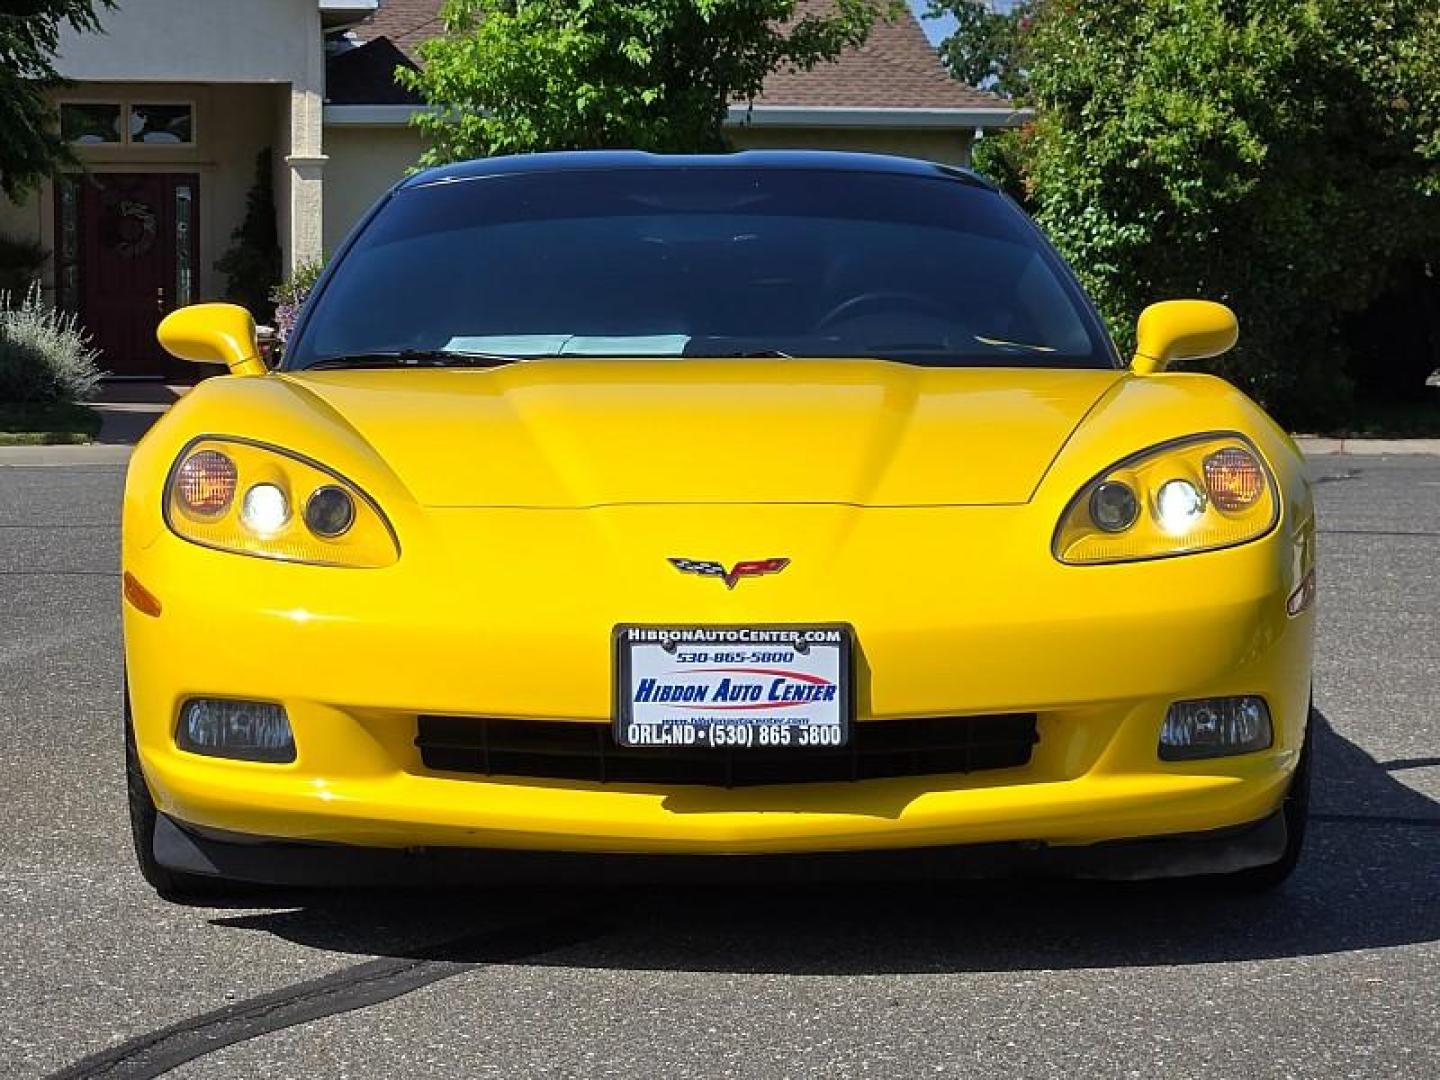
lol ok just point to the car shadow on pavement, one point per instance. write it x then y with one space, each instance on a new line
1370 878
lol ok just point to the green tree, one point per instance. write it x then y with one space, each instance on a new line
30 145
514 76
1280 155
983 50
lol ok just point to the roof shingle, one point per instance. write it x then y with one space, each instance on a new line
895 68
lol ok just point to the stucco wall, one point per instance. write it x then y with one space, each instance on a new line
22 220
196 41
232 125
363 163
227 42
949 146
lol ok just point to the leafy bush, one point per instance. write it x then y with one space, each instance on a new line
1281 157
289 296
44 356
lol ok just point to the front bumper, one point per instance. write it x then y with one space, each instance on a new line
489 613
261 861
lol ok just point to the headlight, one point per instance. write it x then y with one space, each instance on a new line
260 500
1196 494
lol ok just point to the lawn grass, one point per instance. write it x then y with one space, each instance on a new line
47 425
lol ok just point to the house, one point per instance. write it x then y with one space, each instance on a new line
169 109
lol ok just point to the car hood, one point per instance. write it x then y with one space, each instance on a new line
561 433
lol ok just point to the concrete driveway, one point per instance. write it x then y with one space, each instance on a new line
1336 975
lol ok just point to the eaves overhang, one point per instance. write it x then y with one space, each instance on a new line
771 116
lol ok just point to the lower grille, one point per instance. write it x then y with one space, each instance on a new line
584 751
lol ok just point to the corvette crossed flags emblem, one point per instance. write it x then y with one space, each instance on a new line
743 569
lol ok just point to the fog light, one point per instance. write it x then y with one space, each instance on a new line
1215 727
247 730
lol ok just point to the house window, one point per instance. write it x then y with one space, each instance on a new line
127 124
89 124
169 124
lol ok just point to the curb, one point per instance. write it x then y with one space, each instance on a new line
26 457
118 454
1312 446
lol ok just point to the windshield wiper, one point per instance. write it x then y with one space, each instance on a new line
740 354
1024 346
402 358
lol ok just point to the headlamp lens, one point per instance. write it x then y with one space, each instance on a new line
265 509
1113 506
250 498
1200 493
1179 504
330 511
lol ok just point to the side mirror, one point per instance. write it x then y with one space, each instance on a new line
1182 330
213 334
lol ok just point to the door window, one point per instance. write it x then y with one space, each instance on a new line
184 271
67 276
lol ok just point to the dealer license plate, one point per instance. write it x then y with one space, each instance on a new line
746 687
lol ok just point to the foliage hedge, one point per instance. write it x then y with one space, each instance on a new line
1282 156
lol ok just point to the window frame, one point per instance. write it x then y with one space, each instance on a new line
126 105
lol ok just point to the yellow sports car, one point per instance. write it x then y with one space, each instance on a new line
775 513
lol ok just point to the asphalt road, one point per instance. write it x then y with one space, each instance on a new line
1337 975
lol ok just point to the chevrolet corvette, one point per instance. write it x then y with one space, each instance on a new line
760 514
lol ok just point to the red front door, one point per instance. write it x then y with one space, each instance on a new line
138 253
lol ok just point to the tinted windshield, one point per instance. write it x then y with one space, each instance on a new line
684 262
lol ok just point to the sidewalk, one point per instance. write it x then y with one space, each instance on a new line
127 409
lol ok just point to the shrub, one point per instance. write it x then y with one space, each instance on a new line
289 296
44 356
252 262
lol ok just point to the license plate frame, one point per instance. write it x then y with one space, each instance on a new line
835 641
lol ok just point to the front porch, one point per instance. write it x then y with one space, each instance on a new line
166 172
168 112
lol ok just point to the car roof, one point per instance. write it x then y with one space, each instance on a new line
604 160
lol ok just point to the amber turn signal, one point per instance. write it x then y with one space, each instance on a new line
140 598
1233 478
205 483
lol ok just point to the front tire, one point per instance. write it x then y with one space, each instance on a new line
169 884
1296 809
